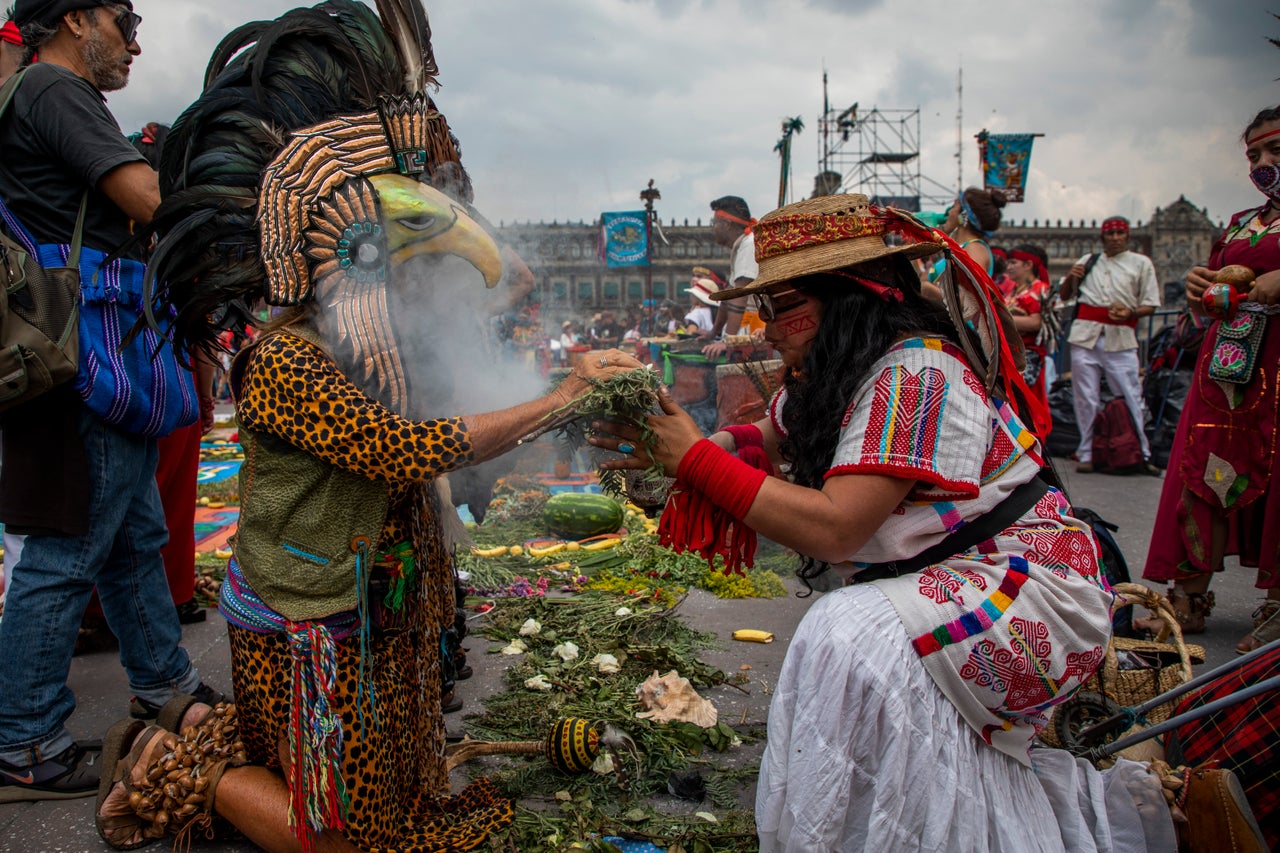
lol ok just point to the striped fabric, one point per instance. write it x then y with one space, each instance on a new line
909 408
980 618
140 388
241 606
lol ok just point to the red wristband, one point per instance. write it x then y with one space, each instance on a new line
745 435
730 483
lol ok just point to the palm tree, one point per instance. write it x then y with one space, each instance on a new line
790 127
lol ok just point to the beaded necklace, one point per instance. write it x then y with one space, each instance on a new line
1253 227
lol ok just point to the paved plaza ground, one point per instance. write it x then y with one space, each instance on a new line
103 694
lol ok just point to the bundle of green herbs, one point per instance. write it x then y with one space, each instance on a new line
624 397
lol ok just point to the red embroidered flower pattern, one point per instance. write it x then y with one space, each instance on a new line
941 584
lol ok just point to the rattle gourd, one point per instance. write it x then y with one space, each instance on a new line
1231 286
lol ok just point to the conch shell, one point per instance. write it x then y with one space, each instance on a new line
670 698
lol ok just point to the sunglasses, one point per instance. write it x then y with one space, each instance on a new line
128 23
774 304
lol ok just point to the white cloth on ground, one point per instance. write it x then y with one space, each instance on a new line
866 753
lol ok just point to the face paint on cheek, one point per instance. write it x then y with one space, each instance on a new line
800 327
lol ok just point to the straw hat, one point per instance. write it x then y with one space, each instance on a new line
819 235
704 289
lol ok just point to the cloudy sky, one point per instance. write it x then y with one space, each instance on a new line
566 108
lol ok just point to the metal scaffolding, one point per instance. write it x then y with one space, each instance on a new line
876 152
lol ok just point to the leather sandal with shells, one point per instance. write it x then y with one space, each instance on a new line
176 794
1266 627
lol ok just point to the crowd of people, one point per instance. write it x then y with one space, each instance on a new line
904 455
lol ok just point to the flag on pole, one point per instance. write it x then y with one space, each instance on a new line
1006 159
623 239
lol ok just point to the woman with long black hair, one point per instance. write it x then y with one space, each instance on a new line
904 712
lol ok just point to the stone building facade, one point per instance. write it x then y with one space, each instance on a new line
573 282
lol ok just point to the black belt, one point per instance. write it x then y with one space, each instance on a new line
982 528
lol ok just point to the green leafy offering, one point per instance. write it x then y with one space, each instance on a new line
625 397
556 811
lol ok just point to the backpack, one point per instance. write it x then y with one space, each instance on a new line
39 310
1117 448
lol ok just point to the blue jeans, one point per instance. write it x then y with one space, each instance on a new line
51 584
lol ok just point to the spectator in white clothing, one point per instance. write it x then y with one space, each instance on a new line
1114 290
700 320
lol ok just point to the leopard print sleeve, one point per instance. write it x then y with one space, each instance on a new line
291 389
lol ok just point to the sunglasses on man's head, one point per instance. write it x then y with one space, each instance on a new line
128 23
774 304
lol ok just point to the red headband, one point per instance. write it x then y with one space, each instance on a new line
884 291
999 253
1114 223
1042 272
1262 136
9 34
703 272
747 224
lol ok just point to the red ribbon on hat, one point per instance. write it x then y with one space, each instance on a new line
884 291
9 34
1013 387
703 272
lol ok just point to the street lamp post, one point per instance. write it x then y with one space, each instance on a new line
648 195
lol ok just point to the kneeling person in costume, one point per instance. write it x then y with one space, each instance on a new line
904 713
341 578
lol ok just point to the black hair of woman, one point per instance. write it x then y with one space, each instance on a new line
986 206
1264 116
857 328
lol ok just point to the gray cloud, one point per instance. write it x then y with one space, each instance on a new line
567 107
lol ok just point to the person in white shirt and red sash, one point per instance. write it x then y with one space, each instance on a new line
1114 291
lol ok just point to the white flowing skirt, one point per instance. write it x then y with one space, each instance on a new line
866 753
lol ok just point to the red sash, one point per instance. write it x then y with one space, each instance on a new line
1098 314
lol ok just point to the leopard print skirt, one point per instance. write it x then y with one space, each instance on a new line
393 754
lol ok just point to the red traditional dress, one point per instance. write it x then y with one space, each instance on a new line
1223 462
1030 299
905 708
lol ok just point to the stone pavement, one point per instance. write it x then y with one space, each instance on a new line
102 690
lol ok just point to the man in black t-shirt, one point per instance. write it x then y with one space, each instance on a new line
607 333
78 497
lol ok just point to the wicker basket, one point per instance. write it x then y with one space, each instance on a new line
1168 656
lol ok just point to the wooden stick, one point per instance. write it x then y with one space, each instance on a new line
467 749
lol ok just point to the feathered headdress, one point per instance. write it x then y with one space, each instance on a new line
984 326
287 179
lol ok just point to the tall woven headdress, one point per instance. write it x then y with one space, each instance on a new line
303 173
